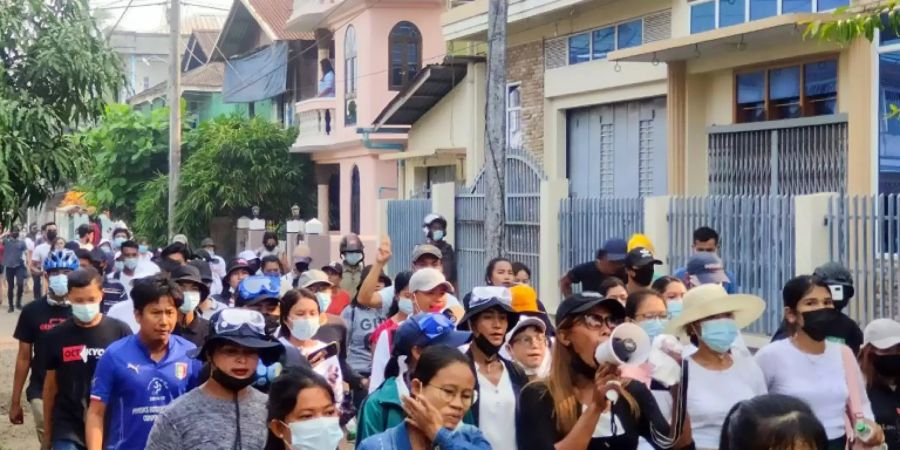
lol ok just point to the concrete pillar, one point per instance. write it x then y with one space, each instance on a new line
443 202
676 104
810 231
243 227
656 227
861 101
322 205
552 193
255 230
294 230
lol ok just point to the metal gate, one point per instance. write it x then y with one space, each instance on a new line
523 229
405 229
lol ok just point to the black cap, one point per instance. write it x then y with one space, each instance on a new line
640 257
235 264
581 303
204 269
190 274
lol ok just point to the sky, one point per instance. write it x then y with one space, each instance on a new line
150 15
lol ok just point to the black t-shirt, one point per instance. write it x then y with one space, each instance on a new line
844 331
195 332
590 277
536 421
73 352
886 407
36 319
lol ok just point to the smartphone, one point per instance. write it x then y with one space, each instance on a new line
328 351
837 292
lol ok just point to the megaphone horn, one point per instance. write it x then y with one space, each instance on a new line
628 344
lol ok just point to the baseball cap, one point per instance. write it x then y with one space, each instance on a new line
707 267
581 303
615 249
243 327
484 298
426 329
257 288
334 267
424 280
235 264
180 238
426 249
525 322
311 277
882 333
640 257
524 298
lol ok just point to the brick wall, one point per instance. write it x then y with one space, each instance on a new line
525 65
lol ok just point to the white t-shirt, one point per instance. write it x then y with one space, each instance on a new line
497 411
387 299
381 354
124 311
816 379
39 254
712 393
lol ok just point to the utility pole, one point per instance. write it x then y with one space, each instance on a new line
174 110
495 131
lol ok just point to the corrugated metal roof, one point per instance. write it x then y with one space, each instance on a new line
275 14
206 39
206 78
202 22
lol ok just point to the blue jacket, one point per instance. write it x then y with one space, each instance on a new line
466 437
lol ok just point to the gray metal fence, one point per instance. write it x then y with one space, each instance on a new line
584 224
865 237
405 229
794 156
522 203
756 243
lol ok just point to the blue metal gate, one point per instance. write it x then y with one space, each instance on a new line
405 229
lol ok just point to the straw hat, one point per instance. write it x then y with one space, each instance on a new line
711 299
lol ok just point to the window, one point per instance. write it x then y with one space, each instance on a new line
514 116
786 92
710 14
350 74
598 43
405 54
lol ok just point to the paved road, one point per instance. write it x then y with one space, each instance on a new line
18 437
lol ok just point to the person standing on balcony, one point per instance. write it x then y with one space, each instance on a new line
610 262
706 240
326 88
435 227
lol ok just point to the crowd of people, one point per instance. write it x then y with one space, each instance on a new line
131 347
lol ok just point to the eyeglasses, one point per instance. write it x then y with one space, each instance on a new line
538 340
653 316
596 321
448 394
255 286
233 319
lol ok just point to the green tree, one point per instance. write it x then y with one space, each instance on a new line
56 70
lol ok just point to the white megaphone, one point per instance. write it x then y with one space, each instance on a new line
628 344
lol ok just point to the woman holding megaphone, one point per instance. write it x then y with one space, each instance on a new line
586 405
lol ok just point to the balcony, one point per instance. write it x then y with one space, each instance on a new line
467 19
309 14
316 121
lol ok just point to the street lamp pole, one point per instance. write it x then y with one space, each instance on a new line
174 110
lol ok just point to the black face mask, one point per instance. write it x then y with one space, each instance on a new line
887 365
272 323
301 267
817 324
490 350
229 382
270 246
582 368
644 275
51 236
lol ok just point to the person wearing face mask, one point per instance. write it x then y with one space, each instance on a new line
119 236
334 329
39 254
498 381
362 322
824 374
225 412
190 325
442 387
435 228
132 267
73 350
269 247
238 270
571 408
382 338
351 249
719 377
640 265
302 413
340 298
302 259
527 346
216 264
139 375
114 292
36 319
301 318
14 266
879 361
672 291
383 408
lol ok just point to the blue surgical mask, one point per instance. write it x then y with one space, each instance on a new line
719 334
674 307
86 312
406 306
653 327
106 249
437 235
117 242
130 263
142 249
324 299
59 284
353 258
190 302
119 265
305 328
321 433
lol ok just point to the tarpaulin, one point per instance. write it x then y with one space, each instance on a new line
258 76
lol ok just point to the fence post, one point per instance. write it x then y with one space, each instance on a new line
552 193
243 227
443 202
811 235
656 227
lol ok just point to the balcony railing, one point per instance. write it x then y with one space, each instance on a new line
315 118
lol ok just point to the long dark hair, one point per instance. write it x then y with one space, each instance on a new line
637 298
401 281
777 422
662 283
283 398
435 358
793 292
490 269
288 300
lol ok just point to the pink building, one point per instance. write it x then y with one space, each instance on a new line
375 49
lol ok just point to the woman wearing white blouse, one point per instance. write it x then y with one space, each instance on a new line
811 369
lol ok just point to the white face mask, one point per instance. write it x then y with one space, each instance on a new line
321 433
191 300
304 328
